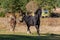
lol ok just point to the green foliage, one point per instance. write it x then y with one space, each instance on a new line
2 14
47 3
58 3
17 4
13 5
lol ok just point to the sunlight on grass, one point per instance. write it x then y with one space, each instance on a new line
24 36
19 33
17 36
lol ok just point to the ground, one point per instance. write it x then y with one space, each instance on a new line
29 37
22 35
20 31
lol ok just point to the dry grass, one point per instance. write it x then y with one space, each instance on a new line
48 25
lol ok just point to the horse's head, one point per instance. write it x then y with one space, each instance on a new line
25 16
38 12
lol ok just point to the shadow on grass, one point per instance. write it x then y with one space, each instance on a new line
17 37
50 37
24 37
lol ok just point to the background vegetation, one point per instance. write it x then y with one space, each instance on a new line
15 5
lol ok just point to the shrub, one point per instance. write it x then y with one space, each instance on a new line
2 14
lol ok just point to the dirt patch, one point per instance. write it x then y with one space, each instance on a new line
48 25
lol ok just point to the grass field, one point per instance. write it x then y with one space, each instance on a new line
17 37
24 36
5 34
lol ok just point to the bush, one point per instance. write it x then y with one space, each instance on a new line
2 14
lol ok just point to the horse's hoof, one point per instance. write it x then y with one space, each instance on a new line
28 32
10 29
38 34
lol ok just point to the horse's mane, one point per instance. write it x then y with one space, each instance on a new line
39 9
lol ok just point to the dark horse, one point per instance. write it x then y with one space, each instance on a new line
33 20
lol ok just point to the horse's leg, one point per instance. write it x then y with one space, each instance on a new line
37 28
13 27
37 24
28 29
